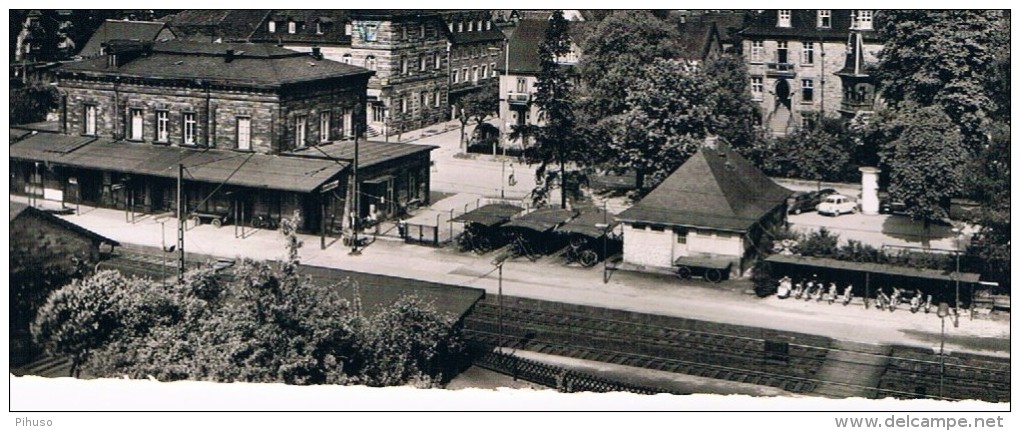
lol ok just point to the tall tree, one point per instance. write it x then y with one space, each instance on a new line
669 114
735 113
942 57
555 139
925 155
477 106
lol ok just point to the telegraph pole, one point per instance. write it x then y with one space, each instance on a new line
356 222
180 224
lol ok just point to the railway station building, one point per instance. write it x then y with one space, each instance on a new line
231 120
711 212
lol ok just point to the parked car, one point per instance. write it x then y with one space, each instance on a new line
799 202
824 193
837 204
886 205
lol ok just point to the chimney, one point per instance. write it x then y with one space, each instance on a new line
230 55
316 53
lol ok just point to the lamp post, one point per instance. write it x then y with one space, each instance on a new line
942 313
498 263
604 226
956 275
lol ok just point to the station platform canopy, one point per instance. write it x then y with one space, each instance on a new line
824 263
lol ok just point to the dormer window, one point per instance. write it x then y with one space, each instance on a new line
272 26
784 18
825 19
864 20
291 27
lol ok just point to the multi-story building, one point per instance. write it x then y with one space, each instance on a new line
233 117
794 58
517 86
475 48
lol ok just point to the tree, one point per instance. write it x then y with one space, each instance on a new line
669 114
943 58
81 317
735 113
821 152
30 104
477 105
924 151
555 139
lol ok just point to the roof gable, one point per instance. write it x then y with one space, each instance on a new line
715 189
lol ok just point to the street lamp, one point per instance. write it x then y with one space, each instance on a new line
942 313
956 275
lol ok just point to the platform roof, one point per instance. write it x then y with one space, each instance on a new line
874 268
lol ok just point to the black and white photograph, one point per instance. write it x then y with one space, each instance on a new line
737 211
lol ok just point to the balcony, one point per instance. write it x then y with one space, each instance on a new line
780 70
518 98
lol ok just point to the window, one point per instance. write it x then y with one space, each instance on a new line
522 85
162 126
243 133
300 125
135 132
435 100
464 73
324 126
403 106
757 50
369 32
488 25
422 31
808 53
784 18
318 28
272 26
471 26
424 100
492 69
370 62
456 76
90 119
757 87
451 27
460 27
781 52
681 235
438 58
348 29
403 65
189 128
864 19
474 74
422 62
479 25
485 71
347 59
807 90
378 113
291 27
403 33
824 19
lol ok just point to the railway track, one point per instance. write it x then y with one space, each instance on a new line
725 352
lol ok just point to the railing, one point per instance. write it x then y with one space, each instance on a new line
559 378
786 70
518 98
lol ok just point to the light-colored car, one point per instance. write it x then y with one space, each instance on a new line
837 204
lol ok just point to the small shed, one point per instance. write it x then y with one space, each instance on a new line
532 234
714 207
482 226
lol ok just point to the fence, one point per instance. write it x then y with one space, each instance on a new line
435 227
559 378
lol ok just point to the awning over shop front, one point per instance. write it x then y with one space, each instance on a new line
244 169
489 215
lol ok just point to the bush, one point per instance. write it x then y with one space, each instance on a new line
31 104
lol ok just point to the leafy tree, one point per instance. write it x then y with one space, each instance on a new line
944 58
478 106
925 155
555 141
736 114
668 117
821 152
81 317
31 104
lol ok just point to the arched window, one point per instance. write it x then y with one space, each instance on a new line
370 62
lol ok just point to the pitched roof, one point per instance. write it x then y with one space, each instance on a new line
523 56
207 25
17 209
696 39
316 26
804 24
715 189
145 31
728 24
250 64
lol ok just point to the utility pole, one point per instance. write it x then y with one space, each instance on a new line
356 222
180 224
